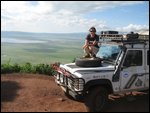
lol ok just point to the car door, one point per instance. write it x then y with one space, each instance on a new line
133 72
147 69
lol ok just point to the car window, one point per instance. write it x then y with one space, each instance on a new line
133 58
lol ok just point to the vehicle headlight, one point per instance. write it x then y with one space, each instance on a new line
78 84
61 78
70 83
57 76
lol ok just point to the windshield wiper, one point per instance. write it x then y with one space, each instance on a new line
108 61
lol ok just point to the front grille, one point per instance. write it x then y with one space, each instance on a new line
75 84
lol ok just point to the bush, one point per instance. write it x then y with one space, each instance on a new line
16 68
27 68
44 69
6 68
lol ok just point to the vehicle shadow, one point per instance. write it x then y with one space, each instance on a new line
9 90
130 103
138 103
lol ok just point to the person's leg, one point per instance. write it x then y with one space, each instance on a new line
94 51
87 51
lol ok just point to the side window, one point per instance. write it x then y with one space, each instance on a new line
133 58
148 57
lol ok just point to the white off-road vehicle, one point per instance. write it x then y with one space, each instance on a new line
124 67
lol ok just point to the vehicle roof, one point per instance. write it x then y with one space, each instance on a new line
136 45
114 39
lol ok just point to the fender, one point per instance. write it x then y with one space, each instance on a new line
99 82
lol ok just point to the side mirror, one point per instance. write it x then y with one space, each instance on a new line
121 68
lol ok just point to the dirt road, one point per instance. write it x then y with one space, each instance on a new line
39 93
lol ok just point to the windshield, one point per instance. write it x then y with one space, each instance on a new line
108 52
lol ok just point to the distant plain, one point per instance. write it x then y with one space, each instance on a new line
36 48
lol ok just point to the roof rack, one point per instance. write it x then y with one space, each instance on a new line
128 38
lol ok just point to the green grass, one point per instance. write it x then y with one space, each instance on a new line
59 51
27 68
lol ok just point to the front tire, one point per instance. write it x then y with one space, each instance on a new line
96 99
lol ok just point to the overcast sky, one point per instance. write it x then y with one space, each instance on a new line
74 16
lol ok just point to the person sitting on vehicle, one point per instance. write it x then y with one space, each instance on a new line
91 47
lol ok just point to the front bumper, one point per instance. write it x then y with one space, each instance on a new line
70 85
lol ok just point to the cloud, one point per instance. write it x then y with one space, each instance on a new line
81 7
54 16
5 17
134 28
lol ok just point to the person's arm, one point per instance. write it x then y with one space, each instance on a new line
86 44
90 43
96 41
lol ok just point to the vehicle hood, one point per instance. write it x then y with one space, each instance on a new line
72 68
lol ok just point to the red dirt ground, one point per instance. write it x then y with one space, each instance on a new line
40 93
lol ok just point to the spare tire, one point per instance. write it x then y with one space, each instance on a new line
88 62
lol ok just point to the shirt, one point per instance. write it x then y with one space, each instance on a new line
95 38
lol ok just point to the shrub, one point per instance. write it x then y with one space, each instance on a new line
27 68
16 68
6 68
44 69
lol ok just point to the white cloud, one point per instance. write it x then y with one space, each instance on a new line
55 16
134 28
